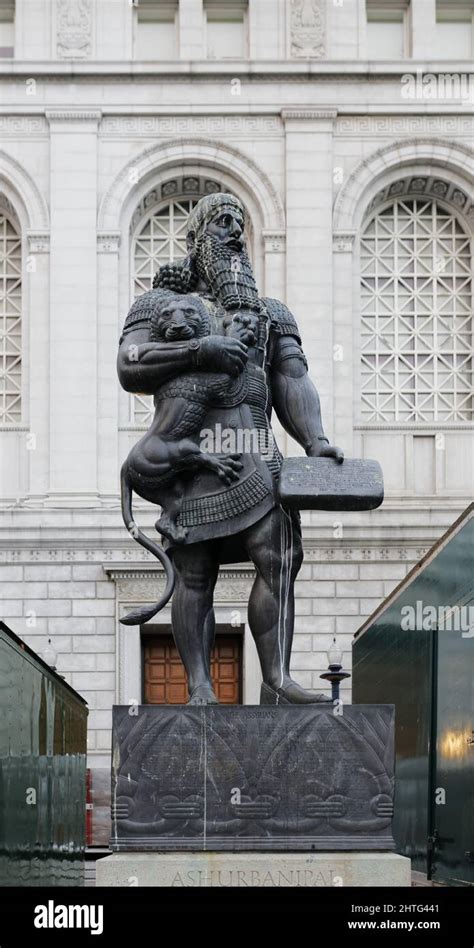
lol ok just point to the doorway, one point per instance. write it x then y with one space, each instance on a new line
164 677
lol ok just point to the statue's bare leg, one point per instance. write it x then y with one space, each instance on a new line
274 545
196 568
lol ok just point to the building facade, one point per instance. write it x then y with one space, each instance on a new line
346 129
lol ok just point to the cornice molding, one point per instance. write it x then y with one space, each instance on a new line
5 428
274 241
308 114
343 241
67 115
38 241
317 549
436 427
131 571
108 241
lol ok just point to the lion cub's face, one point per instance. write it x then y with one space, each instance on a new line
176 319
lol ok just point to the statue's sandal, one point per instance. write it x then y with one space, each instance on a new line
293 694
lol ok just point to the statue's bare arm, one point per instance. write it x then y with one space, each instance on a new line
144 366
296 400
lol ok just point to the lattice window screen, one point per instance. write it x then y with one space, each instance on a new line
160 239
417 331
10 323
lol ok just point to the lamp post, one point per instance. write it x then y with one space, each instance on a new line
335 673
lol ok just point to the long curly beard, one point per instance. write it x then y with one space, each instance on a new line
228 273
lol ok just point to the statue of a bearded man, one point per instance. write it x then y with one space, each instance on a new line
255 342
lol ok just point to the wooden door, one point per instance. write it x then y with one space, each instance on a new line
165 678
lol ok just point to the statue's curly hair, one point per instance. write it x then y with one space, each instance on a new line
180 277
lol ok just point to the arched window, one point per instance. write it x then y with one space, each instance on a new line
416 289
158 236
10 317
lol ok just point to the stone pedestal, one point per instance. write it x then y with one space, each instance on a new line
241 870
252 778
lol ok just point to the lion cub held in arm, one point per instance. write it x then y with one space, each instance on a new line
170 447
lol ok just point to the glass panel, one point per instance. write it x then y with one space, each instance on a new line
419 655
416 305
10 323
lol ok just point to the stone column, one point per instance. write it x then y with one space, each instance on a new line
115 26
33 29
267 28
107 380
274 264
37 441
362 28
191 29
309 174
344 34
423 26
73 307
344 354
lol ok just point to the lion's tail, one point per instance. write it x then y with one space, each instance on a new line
146 612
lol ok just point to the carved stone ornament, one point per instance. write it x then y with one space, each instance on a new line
307 29
252 778
343 242
38 242
428 186
274 241
108 242
73 29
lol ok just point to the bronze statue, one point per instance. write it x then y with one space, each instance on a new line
217 357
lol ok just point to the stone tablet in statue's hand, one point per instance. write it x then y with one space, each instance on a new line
322 449
222 354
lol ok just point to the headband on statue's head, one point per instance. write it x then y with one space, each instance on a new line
207 207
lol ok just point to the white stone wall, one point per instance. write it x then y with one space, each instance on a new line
306 141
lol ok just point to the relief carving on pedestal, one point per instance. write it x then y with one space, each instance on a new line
307 29
252 778
73 29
